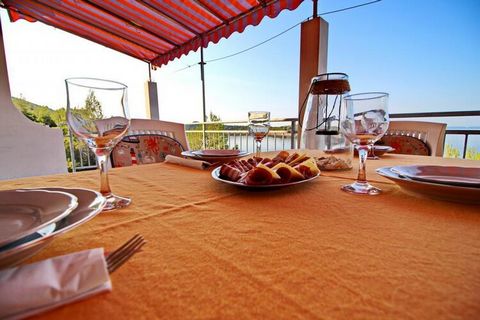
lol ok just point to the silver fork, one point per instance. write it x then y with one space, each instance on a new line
118 257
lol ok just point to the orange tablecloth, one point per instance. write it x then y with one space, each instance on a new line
309 251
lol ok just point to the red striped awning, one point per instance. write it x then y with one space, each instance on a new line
155 31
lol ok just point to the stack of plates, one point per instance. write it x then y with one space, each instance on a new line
31 218
459 184
215 155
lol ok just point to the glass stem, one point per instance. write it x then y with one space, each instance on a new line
259 145
103 166
362 156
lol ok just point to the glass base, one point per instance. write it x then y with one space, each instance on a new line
361 188
116 202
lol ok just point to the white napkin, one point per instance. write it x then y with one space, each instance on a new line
45 285
197 164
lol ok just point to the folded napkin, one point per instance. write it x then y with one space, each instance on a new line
197 164
45 285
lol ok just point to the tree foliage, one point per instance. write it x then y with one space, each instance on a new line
214 140
35 112
93 108
472 154
452 152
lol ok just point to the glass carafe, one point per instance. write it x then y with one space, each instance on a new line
321 121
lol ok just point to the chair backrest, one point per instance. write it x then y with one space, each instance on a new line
144 149
149 141
406 145
157 127
430 133
26 148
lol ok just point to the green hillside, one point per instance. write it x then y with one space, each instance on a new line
38 113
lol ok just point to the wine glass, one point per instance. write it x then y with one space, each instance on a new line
366 121
97 113
258 126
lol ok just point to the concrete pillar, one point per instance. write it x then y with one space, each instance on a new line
313 56
151 100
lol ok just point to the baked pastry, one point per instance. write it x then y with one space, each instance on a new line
333 163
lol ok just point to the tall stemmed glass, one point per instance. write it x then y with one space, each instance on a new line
97 113
258 126
366 121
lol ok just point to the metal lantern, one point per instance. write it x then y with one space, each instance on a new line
323 112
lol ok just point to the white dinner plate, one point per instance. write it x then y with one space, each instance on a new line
24 212
40 233
216 176
461 176
432 190
212 159
218 153
90 203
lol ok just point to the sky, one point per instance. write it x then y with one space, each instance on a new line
425 53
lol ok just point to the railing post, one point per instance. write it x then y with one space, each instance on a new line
465 146
292 138
203 137
81 157
88 159
72 151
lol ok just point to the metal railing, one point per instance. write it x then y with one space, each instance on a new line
466 133
440 114
234 134
82 158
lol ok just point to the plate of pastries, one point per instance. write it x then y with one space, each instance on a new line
285 169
